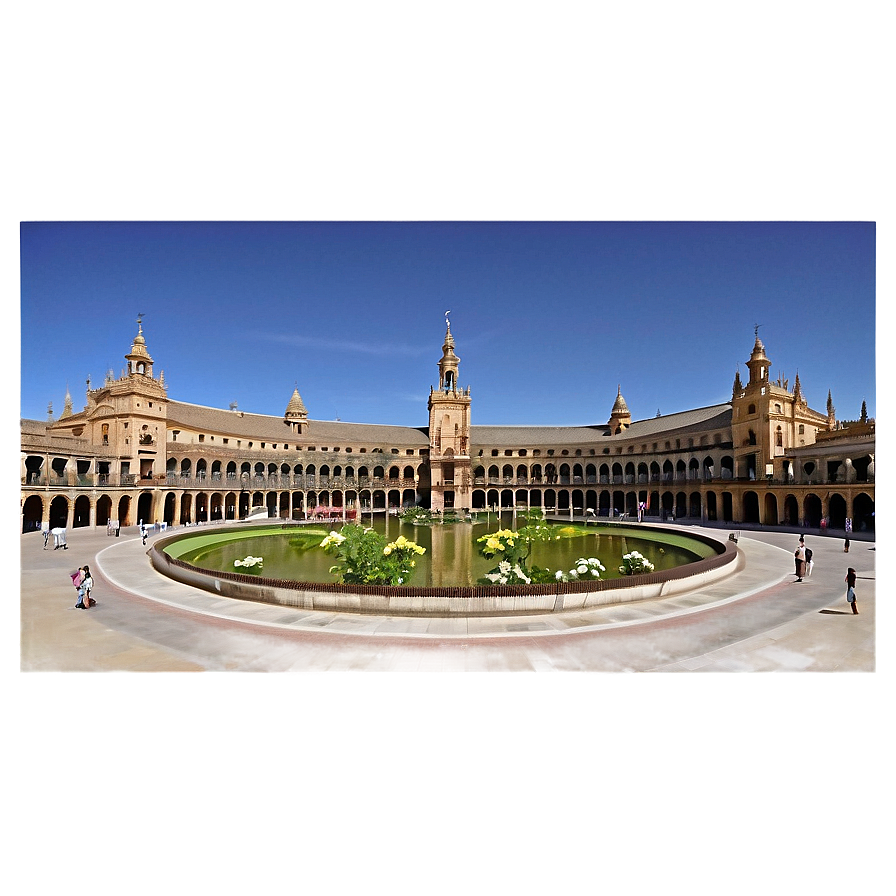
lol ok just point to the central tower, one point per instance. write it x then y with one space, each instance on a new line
449 434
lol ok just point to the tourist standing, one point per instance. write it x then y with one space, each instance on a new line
851 589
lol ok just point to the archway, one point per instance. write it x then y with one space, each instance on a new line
144 508
124 511
103 510
81 515
32 513
168 513
791 511
863 513
770 510
695 509
812 511
59 512
750 508
837 511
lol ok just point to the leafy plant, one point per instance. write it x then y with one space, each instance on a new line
511 549
365 558
250 563
634 563
586 568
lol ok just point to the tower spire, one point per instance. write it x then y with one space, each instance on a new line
450 363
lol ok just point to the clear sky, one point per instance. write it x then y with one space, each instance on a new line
548 318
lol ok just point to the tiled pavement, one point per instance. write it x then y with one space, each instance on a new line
758 619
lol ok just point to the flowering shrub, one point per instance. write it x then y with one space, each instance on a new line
634 563
364 557
251 564
586 568
511 549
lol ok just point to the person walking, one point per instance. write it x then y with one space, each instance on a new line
809 562
846 545
851 589
799 558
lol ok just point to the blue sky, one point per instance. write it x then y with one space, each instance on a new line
548 318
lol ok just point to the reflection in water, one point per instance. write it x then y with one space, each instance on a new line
451 554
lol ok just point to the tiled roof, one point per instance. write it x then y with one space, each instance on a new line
274 429
714 417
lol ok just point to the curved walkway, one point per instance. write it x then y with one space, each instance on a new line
758 619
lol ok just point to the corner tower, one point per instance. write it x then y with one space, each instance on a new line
127 417
449 434
768 419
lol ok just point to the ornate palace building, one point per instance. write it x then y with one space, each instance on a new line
135 454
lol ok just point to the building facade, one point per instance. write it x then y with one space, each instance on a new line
133 454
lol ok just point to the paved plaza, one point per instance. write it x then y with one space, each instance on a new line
757 620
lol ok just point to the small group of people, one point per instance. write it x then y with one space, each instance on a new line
802 558
83 582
